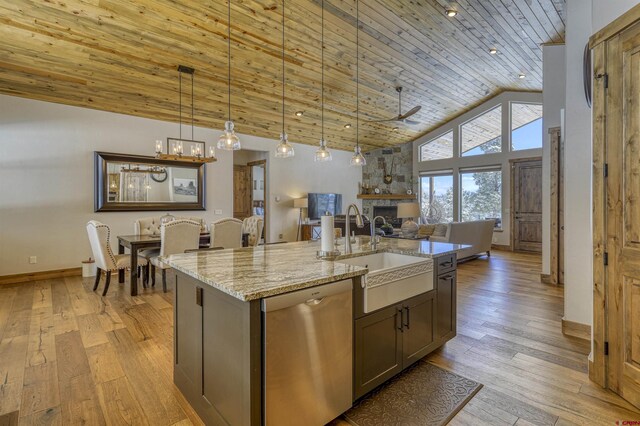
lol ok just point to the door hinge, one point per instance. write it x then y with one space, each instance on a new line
606 258
199 296
606 348
606 170
605 79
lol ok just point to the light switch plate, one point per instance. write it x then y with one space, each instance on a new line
33 260
217 211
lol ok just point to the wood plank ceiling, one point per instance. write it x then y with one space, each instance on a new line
122 55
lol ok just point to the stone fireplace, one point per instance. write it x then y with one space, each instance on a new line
390 214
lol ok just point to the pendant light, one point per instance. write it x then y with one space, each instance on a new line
357 159
322 154
228 141
284 148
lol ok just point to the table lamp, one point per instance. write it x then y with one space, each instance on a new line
300 203
409 211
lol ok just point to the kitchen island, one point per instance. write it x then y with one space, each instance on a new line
245 353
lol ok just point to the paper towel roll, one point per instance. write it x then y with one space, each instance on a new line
326 234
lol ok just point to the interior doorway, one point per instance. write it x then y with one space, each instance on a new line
526 205
250 188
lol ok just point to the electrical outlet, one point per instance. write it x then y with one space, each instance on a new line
218 211
33 260
279 236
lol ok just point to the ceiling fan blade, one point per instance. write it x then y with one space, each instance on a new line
383 121
411 122
410 112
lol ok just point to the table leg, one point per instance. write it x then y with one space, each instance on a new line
120 271
134 270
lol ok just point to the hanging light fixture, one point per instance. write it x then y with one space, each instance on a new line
176 147
284 148
229 141
322 154
357 159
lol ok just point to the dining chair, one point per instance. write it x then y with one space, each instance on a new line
175 237
99 235
226 233
148 226
253 226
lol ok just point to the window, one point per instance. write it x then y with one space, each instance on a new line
436 197
483 134
481 195
526 126
438 148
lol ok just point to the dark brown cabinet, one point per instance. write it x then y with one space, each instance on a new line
378 348
391 339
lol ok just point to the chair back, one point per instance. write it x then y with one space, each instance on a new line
226 233
147 226
178 236
253 226
201 221
99 239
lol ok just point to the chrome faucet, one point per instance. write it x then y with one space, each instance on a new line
374 237
347 226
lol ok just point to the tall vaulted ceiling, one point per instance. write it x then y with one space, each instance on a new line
122 55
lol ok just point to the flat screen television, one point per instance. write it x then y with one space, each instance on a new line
320 203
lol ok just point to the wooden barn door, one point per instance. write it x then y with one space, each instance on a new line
623 214
241 191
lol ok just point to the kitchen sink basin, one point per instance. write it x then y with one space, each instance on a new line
392 278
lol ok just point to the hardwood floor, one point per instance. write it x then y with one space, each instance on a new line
68 356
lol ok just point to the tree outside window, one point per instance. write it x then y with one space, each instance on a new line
481 195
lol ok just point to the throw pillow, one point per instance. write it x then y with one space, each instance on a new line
426 230
440 230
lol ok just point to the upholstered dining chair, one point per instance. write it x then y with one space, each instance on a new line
106 261
148 226
253 226
226 233
175 237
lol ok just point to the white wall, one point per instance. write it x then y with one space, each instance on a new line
46 179
578 236
502 237
553 99
605 11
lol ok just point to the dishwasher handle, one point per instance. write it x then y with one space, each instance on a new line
310 296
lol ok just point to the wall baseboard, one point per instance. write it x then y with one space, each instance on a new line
42 275
501 247
546 279
576 329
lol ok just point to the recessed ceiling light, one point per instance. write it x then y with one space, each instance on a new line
395 129
451 13
493 51
521 76
347 126
299 113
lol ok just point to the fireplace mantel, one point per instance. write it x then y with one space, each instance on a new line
387 196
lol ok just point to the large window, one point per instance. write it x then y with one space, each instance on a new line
481 195
438 148
526 126
483 134
436 197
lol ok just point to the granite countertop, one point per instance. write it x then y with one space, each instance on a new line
253 273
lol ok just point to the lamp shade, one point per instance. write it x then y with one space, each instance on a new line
301 203
408 210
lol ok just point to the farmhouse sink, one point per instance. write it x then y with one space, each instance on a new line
392 278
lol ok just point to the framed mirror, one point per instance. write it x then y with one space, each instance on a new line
140 183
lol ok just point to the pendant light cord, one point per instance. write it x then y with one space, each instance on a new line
283 102
229 53
357 75
322 60
180 102
192 105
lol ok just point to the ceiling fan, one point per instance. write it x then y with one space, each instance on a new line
401 117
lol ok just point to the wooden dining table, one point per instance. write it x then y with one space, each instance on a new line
135 243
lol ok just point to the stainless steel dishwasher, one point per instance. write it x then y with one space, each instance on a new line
308 357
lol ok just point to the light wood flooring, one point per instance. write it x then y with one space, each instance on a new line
68 356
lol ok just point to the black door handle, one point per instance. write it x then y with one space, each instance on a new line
400 315
408 318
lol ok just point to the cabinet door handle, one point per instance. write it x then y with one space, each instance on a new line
408 318
446 264
447 277
400 316
199 296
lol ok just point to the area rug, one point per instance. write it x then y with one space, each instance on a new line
422 395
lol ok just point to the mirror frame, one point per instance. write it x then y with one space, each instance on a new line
101 181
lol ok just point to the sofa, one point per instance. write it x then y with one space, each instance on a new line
478 234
